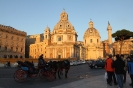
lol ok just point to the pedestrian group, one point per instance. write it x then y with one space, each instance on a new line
117 68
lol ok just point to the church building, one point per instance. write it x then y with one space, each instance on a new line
59 43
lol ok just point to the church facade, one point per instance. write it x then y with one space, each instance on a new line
59 43
92 43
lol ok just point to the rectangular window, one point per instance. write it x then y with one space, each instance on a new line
21 50
59 38
11 48
0 35
6 48
6 36
91 41
16 49
12 37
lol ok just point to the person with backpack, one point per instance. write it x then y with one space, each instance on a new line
119 65
110 70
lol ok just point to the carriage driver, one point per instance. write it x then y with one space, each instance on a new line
41 62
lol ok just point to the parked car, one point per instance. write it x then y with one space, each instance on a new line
83 61
97 63
73 62
78 62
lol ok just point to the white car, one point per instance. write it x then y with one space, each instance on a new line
83 61
78 62
73 62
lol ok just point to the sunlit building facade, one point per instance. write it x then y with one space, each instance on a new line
127 47
12 42
60 43
92 43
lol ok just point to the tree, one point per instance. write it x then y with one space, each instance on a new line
122 35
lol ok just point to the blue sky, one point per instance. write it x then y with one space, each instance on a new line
33 16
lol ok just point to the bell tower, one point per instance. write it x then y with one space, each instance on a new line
47 36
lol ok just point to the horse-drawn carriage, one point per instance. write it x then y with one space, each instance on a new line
48 70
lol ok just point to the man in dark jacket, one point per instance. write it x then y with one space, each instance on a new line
130 69
119 70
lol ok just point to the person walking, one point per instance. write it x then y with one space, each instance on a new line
110 70
119 70
130 69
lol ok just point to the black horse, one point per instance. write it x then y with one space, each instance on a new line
59 66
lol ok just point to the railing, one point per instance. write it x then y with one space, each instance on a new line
13 60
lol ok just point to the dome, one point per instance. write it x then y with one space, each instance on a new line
91 31
64 26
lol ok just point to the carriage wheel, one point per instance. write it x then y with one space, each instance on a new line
50 76
60 73
20 75
42 74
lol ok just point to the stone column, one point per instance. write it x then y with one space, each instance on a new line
55 53
63 53
110 38
49 53
72 52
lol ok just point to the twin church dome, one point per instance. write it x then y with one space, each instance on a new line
65 27
91 31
